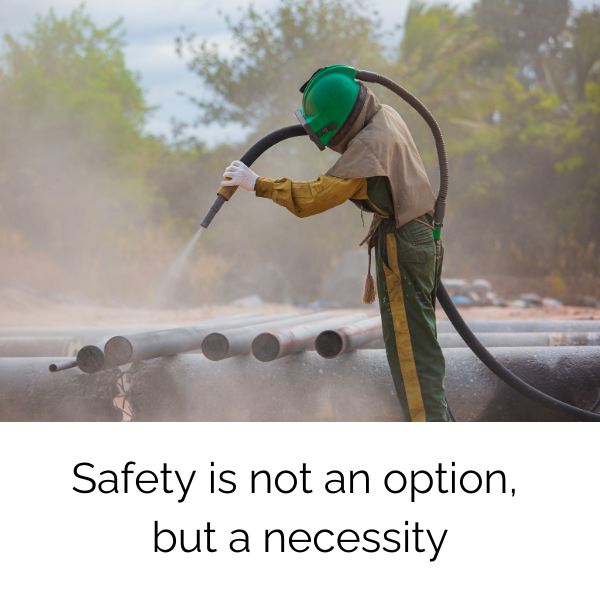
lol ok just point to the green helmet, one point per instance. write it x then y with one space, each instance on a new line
331 102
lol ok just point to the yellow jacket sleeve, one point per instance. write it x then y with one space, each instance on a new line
307 198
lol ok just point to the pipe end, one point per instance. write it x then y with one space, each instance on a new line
266 347
215 346
118 350
90 359
329 344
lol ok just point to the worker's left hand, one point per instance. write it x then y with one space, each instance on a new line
237 173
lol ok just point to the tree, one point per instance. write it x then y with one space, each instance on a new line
523 27
574 58
275 53
440 60
73 160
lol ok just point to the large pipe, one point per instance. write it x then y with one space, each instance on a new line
90 335
356 387
520 340
444 326
225 344
303 387
335 342
29 346
122 350
29 392
272 345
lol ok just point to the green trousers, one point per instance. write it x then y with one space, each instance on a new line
405 260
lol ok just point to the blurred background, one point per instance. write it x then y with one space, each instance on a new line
117 121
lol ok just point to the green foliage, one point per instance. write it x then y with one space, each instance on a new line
71 71
74 160
525 30
275 53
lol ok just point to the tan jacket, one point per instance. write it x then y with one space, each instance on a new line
380 144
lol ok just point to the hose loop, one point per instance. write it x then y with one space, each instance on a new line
412 100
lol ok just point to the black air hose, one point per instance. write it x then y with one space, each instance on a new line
440 205
501 371
285 133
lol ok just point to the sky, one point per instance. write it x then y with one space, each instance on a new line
152 26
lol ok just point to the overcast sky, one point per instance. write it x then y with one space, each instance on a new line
151 28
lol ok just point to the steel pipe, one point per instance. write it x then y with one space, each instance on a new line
62 365
357 386
90 335
225 344
444 326
335 342
301 387
121 350
272 345
30 346
519 340
29 392
92 358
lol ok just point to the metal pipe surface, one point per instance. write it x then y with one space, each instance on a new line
444 326
121 350
272 345
302 387
30 346
29 392
90 335
225 344
92 358
335 342
62 365
356 387
520 340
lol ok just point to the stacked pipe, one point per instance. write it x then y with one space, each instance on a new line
302 387
580 326
124 349
332 343
225 344
268 338
272 345
523 340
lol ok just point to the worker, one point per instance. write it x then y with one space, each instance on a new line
380 171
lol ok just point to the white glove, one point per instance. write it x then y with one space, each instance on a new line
240 175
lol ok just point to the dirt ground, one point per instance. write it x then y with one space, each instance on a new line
20 308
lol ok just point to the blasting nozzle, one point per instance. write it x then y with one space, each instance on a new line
213 210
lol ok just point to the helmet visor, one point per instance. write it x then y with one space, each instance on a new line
315 136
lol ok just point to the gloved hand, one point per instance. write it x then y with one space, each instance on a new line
239 174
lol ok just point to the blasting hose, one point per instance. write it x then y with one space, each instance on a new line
259 148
